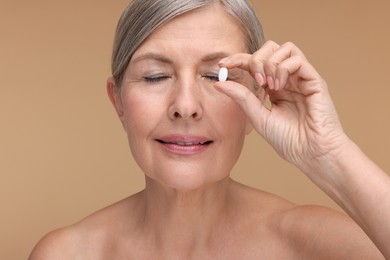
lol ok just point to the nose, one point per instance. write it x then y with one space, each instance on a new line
186 101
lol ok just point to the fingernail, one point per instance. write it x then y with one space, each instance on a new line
277 84
270 82
259 78
223 61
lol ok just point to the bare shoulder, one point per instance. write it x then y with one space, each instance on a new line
90 238
305 232
57 244
323 233
72 242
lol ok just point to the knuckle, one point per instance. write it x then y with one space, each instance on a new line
256 63
271 63
298 59
283 67
289 45
270 43
257 56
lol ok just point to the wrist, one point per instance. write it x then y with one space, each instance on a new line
332 170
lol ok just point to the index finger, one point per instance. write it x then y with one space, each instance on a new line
242 61
253 63
238 60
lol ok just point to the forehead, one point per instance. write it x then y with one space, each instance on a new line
202 31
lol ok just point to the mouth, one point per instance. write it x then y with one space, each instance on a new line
184 144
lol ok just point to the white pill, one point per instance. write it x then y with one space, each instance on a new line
223 74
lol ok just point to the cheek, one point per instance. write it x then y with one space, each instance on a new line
231 115
230 122
140 112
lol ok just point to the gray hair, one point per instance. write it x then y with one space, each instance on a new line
142 17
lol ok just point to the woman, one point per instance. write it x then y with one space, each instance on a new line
186 131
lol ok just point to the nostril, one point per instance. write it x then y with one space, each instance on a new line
179 115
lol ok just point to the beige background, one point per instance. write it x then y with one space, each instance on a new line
63 154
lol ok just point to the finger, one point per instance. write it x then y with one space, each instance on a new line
252 106
259 59
253 63
243 61
284 52
239 60
298 67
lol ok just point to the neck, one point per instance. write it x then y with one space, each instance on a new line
185 219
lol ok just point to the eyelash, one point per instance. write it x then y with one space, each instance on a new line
157 79
212 77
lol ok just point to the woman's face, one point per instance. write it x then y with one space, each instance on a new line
182 132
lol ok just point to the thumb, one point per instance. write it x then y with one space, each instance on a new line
252 105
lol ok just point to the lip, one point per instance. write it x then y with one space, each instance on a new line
185 145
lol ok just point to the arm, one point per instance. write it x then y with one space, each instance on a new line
362 189
303 127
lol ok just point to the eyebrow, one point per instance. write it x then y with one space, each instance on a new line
153 56
214 56
164 59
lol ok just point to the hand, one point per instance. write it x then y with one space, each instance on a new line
302 124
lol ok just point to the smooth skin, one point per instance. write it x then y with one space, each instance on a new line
190 207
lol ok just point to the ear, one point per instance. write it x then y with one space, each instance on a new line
113 93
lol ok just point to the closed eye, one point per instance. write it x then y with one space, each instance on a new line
211 77
155 79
